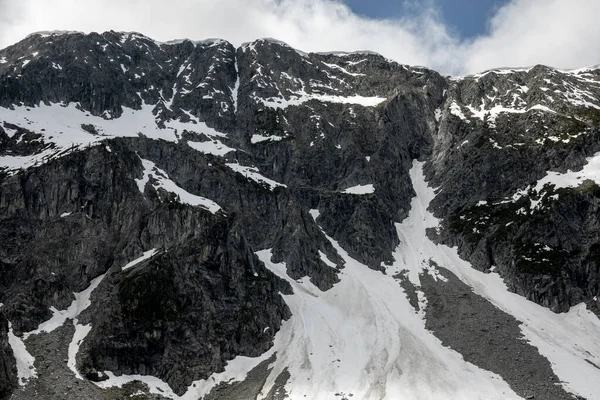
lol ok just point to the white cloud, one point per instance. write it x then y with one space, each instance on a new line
561 33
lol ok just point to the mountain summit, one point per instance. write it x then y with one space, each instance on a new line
191 220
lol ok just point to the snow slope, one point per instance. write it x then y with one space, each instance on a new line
363 339
62 125
569 341
571 179
25 361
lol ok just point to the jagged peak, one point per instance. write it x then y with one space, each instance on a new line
252 45
54 33
581 70
349 53
205 42
527 69
497 71
131 35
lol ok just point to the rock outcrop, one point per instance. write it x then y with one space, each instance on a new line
186 158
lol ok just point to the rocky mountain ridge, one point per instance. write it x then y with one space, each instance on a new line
159 171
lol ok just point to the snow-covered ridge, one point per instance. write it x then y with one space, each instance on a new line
54 33
348 53
511 70
205 42
559 96
245 45
498 71
62 125
252 45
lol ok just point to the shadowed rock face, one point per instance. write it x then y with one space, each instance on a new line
8 373
206 300
271 135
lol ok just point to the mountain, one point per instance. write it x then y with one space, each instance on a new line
192 220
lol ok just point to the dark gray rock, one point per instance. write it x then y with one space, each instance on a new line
184 313
205 298
8 368
487 337
490 160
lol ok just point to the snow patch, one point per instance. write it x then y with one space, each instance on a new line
360 189
342 69
326 260
163 181
81 331
236 87
61 125
214 147
256 138
25 361
252 173
147 255
455 110
81 303
571 179
300 98
236 370
314 213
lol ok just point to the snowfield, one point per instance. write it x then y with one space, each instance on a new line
362 338
62 125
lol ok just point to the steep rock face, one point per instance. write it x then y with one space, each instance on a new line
87 211
333 143
199 154
8 370
500 134
105 73
195 301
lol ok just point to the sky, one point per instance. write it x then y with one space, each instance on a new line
467 18
455 37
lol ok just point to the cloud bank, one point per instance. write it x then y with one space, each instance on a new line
560 33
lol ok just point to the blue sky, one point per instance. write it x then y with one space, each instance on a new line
468 18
